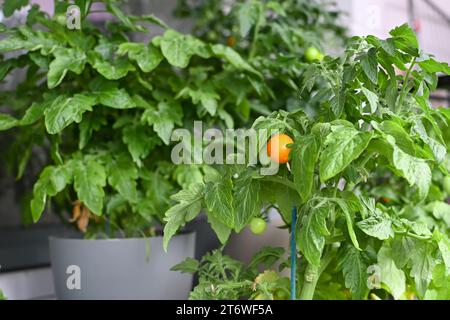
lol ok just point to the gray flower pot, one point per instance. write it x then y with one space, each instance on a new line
135 268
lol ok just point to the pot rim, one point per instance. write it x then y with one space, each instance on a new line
53 238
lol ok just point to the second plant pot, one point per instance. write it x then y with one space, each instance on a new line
135 268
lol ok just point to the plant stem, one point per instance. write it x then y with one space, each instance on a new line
412 235
310 282
293 254
405 85
255 36
312 274
326 259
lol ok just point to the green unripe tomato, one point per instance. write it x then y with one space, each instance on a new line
258 226
60 19
280 294
313 54
261 296
446 185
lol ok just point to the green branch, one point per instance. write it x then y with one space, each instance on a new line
405 85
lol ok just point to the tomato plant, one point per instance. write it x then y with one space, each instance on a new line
99 109
350 244
270 35
123 98
222 277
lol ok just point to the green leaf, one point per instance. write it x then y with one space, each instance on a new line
52 180
343 145
304 156
440 288
164 119
337 104
230 55
115 98
7 65
309 77
139 142
89 181
433 66
377 225
405 39
354 267
150 18
349 220
7 122
206 95
438 150
9 6
267 257
227 118
188 207
36 111
12 43
246 198
422 264
402 138
390 275
372 98
189 265
65 110
146 56
65 60
222 231
156 199
122 176
440 211
119 14
285 199
188 174
444 248
369 65
402 246
27 39
416 171
219 201
110 70
91 122
248 15
313 229
176 48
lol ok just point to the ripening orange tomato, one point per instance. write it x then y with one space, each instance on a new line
386 199
231 41
277 147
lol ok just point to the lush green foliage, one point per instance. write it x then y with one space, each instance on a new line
104 107
271 35
376 116
92 93
223 278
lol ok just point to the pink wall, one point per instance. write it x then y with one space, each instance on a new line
46 5
377 17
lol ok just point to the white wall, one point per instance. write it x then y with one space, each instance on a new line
377 17
28 284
